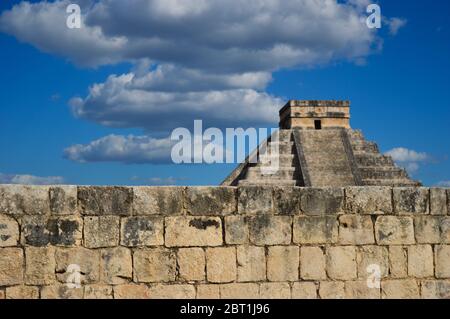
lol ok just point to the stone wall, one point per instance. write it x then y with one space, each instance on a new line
223 242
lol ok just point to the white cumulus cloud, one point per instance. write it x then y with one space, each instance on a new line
30 179
408 159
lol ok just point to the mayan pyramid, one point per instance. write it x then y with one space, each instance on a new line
318 148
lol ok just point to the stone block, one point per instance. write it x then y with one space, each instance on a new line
101 231
315 229
438 201
221 264
131 291
154 265
236 230
158 200
208 292
411 200
312 263
435 289
40 265
442 260
331 290
22 292
187 231
283 263
9 231
191 264
61 291
11 266
356 230
398 262
341 263
400 289
304 290
63 200
24 200
368 256
368 200
270 230
432 229
116 265
239 291
84 260
2 294
287 200
206 201
274 290
161 291
98 292
102 201
360 290
393 230
251 263
322 201
140 231
255 200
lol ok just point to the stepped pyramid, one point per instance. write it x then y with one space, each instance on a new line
315 147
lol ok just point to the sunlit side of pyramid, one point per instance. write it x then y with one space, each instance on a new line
318 148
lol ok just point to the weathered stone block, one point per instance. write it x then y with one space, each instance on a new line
158 200
369 200
315 229
411 200
398 262
116 265
331 290
2 294
438 201
21 199
393 230
131 291
161 291
239 291
369 256
191 263
208 292
356 230
41 231
105 200
101 231
86 261
322 201
400 289
251 263
270 230
221 264
61 291
236 230
98 292
436 289
142 231
442 255
9 231
304 290
255 200
186 231
432 229
283 263
11 266
360 290
274 290
341 263
207 201
63 200
287 200
312 263
154 265
22 292
40 265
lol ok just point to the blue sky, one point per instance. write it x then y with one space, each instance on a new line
398 84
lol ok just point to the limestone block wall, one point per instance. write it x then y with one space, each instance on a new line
223 242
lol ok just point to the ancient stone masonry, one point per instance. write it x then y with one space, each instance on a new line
224 242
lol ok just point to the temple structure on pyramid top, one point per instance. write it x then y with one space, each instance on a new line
318 148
